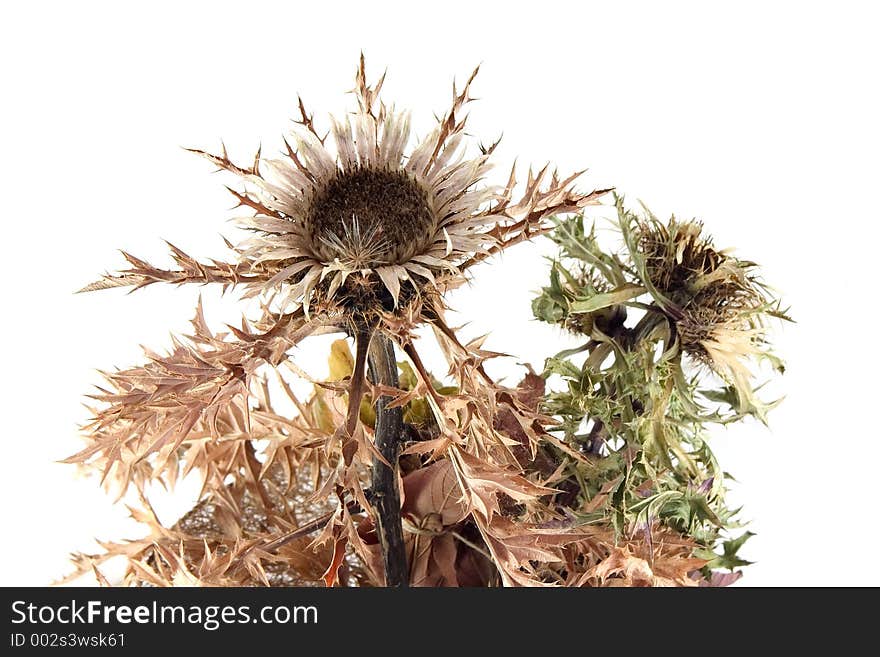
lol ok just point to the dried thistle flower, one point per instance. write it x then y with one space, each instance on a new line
369 238
715 303
364 228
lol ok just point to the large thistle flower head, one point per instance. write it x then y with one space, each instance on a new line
360 222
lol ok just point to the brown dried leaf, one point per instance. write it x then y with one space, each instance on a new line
434 490
482 481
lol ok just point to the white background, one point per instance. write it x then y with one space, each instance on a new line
760 119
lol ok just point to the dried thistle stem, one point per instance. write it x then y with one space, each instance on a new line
385 494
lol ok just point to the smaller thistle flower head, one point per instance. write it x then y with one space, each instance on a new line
715 304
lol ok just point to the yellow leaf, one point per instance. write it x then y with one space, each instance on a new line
367 412
322 415
341 361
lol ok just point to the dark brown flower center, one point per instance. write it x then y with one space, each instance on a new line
367 218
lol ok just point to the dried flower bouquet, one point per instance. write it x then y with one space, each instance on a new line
594 472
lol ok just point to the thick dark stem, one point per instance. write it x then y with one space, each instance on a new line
385 495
